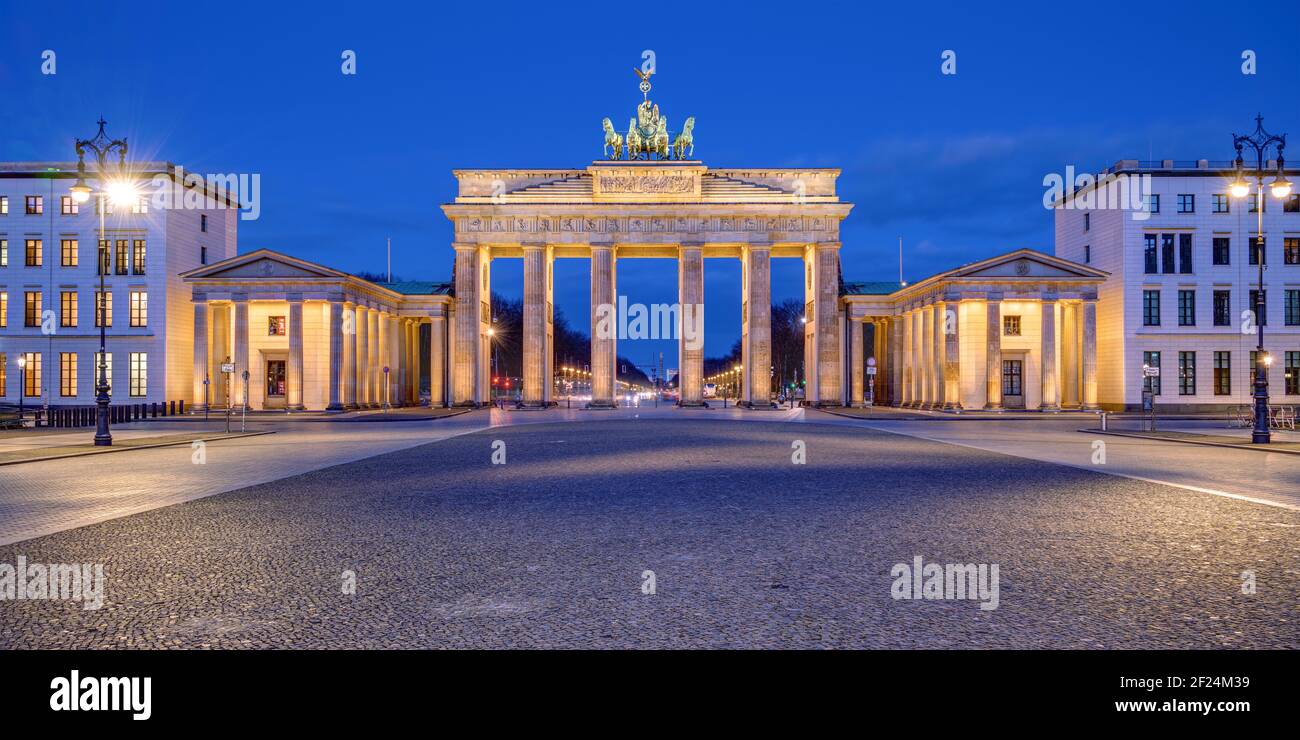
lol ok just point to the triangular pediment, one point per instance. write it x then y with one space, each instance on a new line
1026 263
264 263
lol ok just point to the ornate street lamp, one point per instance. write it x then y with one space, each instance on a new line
101 146
1260 141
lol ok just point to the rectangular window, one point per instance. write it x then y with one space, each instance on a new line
1186 203
1152 359
67 373
1223 308
103 258
1222 250
1187 308
1087 221
107 371
4 310
1187 373
1222 373
32 374
1291 250
1151 308
4 252
103 205
1291 204
32 308
122 257
139 308
141 204
1011 326
4 205
203 222
1292 317
1292 373
68 206
1259 307
277 326
105 310
1185 253
68 309
1220 202
1153 204
137 257
1012 378
1257 247
1149 253
139 374
1166 253
35 205
68 252
203 255
1254 203
1087 254
34 252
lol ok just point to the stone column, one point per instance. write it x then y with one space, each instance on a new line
413 375
826 298
537 347
952 356
363 357
1088 349
690 338
293 368
909 380
348 338
241 351
756 334
604 327
334 325
437 338
926 354
1070 354
220 320
993 353
375 383
855 347
939 342
1050 400
894 331
202 393
466 374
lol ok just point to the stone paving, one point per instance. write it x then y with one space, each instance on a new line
747 549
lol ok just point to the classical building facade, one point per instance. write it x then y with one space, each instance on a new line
1181 279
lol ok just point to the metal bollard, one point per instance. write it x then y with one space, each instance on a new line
1104 421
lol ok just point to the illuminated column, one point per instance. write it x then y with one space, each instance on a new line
993 353
241 350
951 368
348 338
334 322
437 339
690 340
219 319
293 368
470 325
1088 349
1050 400
537 346
855 347
756 325
1070 354
905 360
604 326
202 393
375 383
938 354
925 355
363 356
824 294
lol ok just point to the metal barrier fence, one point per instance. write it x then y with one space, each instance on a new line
66 417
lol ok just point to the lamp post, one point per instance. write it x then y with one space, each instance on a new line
1260 141
101 146
22 385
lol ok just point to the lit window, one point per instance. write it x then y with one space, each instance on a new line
35 205
4 310
32 374
4 252
32 308
277 326
137 257
139 308
107 371
68 206
67 373
4 375
68 309
1011 326
141 205
4 205
139 374
68 252
33 252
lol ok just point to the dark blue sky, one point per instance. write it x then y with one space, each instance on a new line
953 164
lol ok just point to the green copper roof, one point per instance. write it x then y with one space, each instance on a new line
417 287
877 288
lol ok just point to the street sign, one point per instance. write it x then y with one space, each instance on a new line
227 367
871 370
1150 372
871 362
